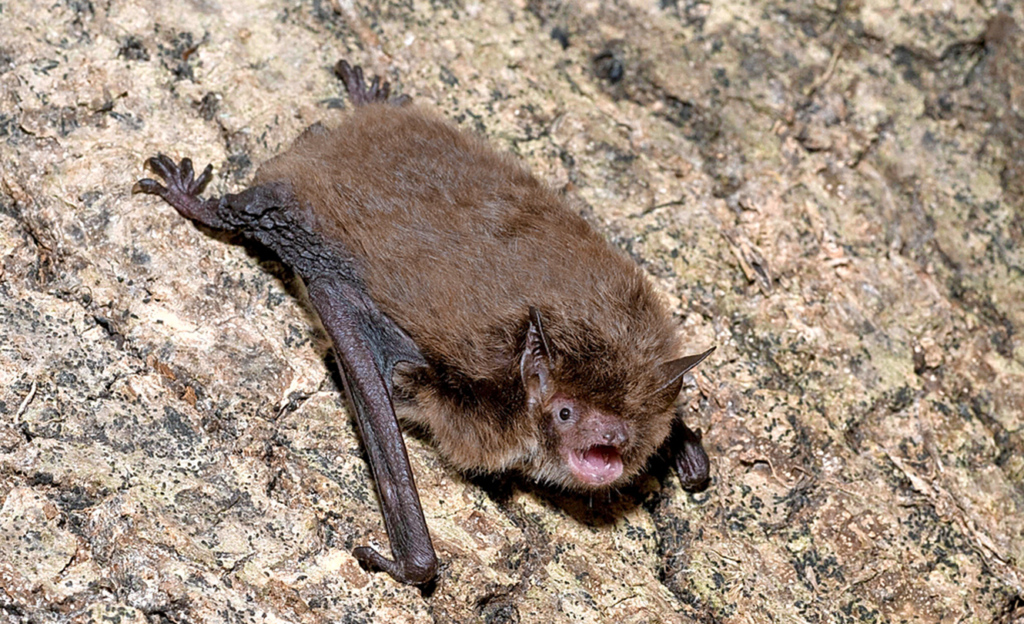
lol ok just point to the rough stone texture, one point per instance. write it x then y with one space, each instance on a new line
831 192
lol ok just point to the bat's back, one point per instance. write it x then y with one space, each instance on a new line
456 241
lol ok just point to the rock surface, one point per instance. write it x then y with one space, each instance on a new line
829 192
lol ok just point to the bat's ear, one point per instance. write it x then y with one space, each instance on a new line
535 365
672 372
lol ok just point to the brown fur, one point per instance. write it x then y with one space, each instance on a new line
455 242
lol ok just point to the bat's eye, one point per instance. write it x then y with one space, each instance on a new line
563 411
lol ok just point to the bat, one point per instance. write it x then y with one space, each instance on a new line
465 297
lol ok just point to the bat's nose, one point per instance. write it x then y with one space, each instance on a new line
614 434
603 429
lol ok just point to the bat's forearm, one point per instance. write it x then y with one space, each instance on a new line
341 307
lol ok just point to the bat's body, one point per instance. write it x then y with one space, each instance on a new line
528 342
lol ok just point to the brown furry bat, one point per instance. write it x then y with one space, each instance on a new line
523 340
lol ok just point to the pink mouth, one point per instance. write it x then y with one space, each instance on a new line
597 465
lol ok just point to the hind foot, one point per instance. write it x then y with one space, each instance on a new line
361 93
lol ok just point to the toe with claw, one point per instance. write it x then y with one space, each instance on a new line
182 188
361 93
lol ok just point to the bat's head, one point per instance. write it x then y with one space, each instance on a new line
598 424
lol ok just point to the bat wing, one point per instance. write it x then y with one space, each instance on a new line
691 461
367 342
368 345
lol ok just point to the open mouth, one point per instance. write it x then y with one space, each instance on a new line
597 465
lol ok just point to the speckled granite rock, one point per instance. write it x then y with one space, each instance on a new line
830 192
